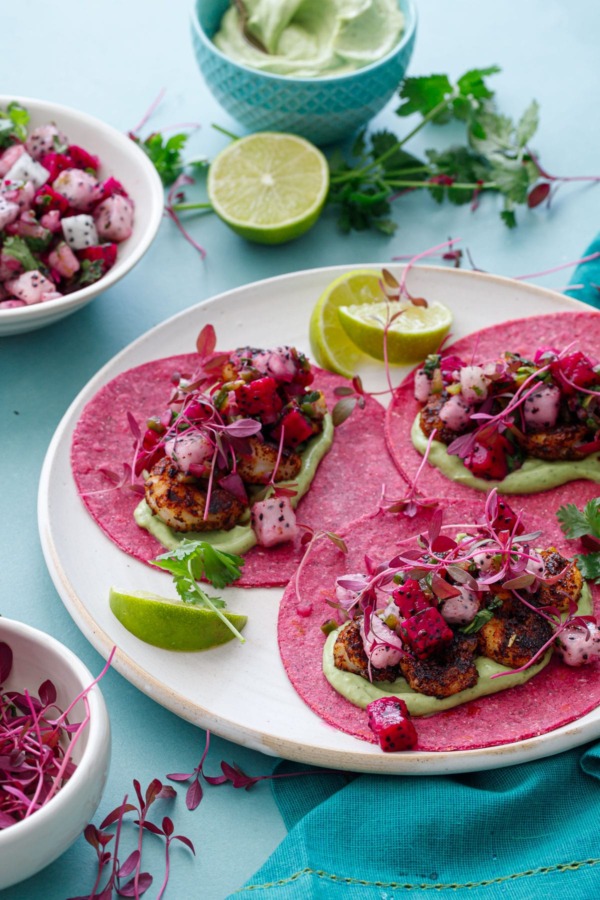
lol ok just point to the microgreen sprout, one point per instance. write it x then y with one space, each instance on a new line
37 740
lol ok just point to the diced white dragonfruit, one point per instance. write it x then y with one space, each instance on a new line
9 211
189 449
345 595
278 363
422 386
30 287
456 413
462 609
27 169
79 231
9 158
44 139
473 384
382 645
540 409
578 645
64 261
274 521
50 295
114 218
80 188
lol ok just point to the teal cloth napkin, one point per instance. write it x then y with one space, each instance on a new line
524 832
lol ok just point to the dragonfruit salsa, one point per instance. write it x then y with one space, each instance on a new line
234 451
458 613
60 222
527 424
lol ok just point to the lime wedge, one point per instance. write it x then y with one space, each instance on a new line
415 333
269 187
172 624
330 345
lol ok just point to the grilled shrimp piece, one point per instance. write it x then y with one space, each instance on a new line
180 501
430 419
567 588
447 673
349 655
515 633
257 466
556 443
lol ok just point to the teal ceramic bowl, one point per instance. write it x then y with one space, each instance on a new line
323 110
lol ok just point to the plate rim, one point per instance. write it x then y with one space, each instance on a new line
416 762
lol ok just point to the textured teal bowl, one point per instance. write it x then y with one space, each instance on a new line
322 110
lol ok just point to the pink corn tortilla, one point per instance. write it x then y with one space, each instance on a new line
348 481
557 695
519 336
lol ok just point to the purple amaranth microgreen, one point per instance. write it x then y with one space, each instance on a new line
308 541
413 499
37 741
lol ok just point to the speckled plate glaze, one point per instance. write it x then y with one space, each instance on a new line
241 692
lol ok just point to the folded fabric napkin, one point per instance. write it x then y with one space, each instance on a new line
518 833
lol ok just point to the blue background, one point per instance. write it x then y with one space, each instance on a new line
111 59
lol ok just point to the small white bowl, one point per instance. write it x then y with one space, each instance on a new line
119 157
30 845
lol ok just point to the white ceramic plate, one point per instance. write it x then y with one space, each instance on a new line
241 692
120 157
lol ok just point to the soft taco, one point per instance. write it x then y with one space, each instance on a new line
428 612
223 447
515 406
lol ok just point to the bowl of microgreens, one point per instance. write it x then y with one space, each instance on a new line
54 749
80 204
318 71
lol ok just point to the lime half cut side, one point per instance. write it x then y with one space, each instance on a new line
172 624
269 187
331 346
411 336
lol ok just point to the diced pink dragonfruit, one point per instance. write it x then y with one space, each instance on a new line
51 220
111 186
274 521
114 218
44 139
28 226
579 645
389 720
9 158
30 287
63 260
22 195
10 267
81 189
9 211
12 303
426 633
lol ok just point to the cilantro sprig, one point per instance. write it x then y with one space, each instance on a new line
191 561
493 158
585 525
13 124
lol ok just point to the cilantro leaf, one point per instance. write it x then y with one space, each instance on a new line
17 248
527 124
13 124
589 566
424 94
576 523
164 154
472 83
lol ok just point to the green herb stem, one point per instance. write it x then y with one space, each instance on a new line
182 207
208 602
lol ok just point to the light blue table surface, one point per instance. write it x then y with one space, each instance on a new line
111 59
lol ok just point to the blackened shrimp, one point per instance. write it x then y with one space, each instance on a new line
180 501
257 466
557 443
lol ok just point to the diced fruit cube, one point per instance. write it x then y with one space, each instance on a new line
114 218
389 721
426 632
297 428
259 398
79 231
274 521
410 599
30 287
81 189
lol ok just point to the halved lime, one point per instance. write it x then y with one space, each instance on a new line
172 624
412 335
269 187
330 345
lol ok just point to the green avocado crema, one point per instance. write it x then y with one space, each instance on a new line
240 538
311 38
534 476
361 692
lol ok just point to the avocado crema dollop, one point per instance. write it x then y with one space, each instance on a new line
310 38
